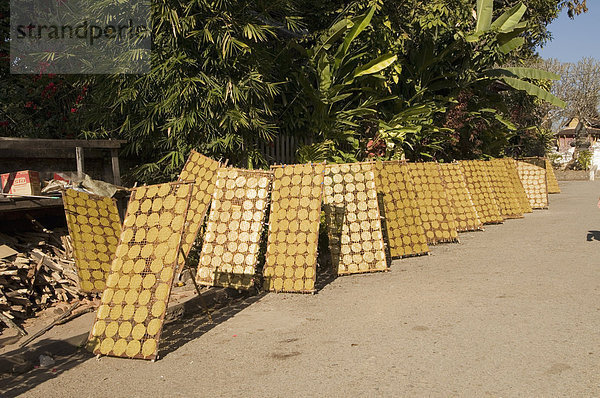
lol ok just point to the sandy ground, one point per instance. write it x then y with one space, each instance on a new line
512 311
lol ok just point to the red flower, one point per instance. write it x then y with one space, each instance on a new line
43 66
73 110
49 90
28 104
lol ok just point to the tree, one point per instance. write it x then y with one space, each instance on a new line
447 68
464 76
575 7
539 15
341 92
420 79
36 105
579 87
213 86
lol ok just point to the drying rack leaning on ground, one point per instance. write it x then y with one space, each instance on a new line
374 211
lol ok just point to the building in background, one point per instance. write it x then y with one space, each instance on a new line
565 140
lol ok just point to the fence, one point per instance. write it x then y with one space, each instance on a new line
283 148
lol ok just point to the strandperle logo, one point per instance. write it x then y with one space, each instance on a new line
80 37
89 32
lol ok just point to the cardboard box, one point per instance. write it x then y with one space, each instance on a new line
60 177
24 182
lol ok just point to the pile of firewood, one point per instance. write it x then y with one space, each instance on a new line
41 273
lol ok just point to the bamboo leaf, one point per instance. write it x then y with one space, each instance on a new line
376 65
358 27
337 31
339 98
505 122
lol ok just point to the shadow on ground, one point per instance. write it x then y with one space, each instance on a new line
325 275
196 322
193 326
593 235
18 371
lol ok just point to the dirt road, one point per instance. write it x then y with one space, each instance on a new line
512 311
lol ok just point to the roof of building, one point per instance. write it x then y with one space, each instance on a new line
592 127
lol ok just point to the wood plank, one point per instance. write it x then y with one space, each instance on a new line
270 149
26 204
15 143
80 161
279 154
48 153
293 147
116 171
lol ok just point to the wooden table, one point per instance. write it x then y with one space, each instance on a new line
23 204
40 148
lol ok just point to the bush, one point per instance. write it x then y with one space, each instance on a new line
584 160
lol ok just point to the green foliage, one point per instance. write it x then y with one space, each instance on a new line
455 72
366 78
575 7
341 90
385 72
485 8
533 90
533 141
213 86
42 106
36 105
584 160
507 29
